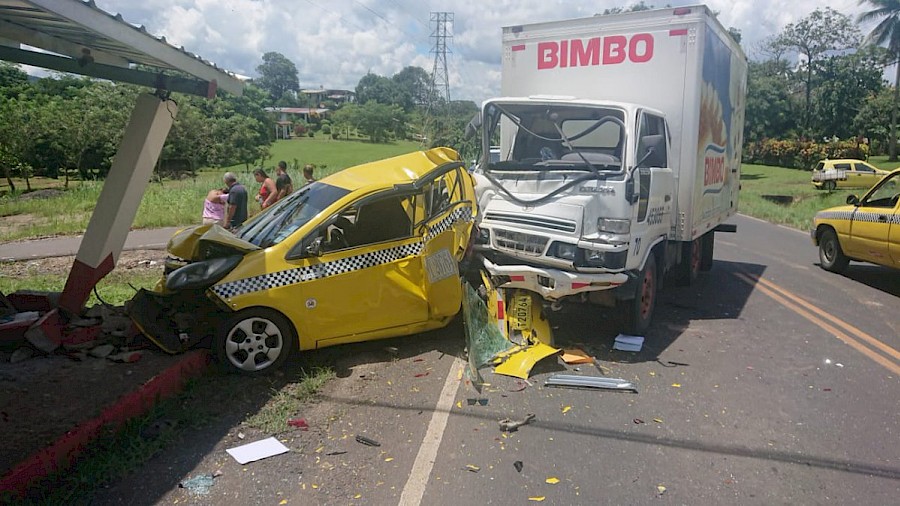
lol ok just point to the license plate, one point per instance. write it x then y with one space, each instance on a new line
520 312
440 265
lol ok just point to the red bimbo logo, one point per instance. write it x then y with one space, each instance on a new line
610 50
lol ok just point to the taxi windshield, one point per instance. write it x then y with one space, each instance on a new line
276 223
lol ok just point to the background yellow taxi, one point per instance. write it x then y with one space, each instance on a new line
845 173
367 253
866 229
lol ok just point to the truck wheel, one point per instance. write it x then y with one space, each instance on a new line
831 256
829 185
255 341
638 312
689 267
707 245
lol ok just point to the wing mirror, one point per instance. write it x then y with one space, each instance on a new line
473 126
852 200
655 154
315 247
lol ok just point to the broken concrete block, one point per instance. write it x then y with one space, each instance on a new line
102 351
23 353
114 323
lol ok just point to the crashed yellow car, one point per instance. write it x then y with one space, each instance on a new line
866 229
370 252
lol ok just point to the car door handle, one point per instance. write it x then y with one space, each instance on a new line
882 218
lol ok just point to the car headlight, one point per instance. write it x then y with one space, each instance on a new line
614 226
564 251
201 274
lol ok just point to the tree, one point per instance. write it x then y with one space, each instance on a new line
12 80
373 87
846 83
813 37
770 111
278 75
415 85
887 32
874 120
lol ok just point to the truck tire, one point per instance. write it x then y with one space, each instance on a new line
638 312
831 256
707 245
689 267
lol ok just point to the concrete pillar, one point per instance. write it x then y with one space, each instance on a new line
122 191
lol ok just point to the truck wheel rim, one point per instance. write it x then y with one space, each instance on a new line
254 344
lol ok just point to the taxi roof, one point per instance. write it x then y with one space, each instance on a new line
391 171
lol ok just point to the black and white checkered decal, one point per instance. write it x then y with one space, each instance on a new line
865 217
335 267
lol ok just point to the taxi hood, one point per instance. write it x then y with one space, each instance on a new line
207 241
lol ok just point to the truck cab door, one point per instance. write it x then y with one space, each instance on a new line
652 183
873 225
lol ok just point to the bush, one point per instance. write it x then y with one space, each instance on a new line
311 134
801 154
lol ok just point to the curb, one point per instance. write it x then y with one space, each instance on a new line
63 452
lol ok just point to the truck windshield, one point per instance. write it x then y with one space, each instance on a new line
276 223
557 137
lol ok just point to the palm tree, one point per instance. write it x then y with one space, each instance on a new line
887 31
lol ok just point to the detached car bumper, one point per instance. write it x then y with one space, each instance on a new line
554 284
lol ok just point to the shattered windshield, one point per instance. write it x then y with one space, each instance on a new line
557 137
289 214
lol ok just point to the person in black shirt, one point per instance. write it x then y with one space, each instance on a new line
237 201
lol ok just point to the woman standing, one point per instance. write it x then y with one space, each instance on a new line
214 207
266 188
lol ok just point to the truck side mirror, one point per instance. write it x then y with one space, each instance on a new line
655 154
473 126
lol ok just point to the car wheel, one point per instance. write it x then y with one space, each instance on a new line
829 185
831 256
638 312
255 341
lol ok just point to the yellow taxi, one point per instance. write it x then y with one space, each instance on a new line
370 252
845 173
866 229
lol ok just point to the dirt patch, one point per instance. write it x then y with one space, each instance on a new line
15 222
149 260
47 193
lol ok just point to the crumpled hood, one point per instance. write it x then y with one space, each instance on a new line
196 243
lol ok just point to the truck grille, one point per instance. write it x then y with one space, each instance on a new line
555 224
528 244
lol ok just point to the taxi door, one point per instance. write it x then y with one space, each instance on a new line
448 210
872 223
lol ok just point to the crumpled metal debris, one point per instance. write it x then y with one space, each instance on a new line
507 425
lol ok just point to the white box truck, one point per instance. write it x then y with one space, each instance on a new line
620 151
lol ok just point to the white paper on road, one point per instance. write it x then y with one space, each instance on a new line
625 342
257 451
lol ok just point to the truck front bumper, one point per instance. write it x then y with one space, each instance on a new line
554 284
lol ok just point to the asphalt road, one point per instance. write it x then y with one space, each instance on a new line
154 238
770 381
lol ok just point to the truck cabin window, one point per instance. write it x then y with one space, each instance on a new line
550 137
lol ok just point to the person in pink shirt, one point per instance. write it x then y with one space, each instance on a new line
214 207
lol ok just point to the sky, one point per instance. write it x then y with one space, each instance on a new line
334 43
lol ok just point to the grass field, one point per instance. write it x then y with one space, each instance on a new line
173 203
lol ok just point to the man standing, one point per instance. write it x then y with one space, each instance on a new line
283 183
237 201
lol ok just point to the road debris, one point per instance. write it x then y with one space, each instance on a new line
257 450
569 380
637 421
575 356
553 480
625 342
518 386
518 465
198 485
366 441
299 423
566 409
539 498
472 468
661 489
507 425
481 401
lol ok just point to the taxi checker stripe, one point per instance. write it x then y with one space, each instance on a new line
323 270
866 217
460 213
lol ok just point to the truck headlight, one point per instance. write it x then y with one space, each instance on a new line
482 236
201 274
564 251
614 226
605 259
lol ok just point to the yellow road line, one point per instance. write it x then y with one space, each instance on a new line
797 304
833 319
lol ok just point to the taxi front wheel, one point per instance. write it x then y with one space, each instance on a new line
255 341
831 256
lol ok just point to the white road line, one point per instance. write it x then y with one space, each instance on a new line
421 469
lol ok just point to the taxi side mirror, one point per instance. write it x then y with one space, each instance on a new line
852 200
315 247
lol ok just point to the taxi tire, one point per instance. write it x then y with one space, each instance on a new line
255 319
637 313
831 256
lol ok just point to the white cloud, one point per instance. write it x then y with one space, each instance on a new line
334 43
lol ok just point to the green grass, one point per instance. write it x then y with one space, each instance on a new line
176 203
759 180
116 288
286 402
